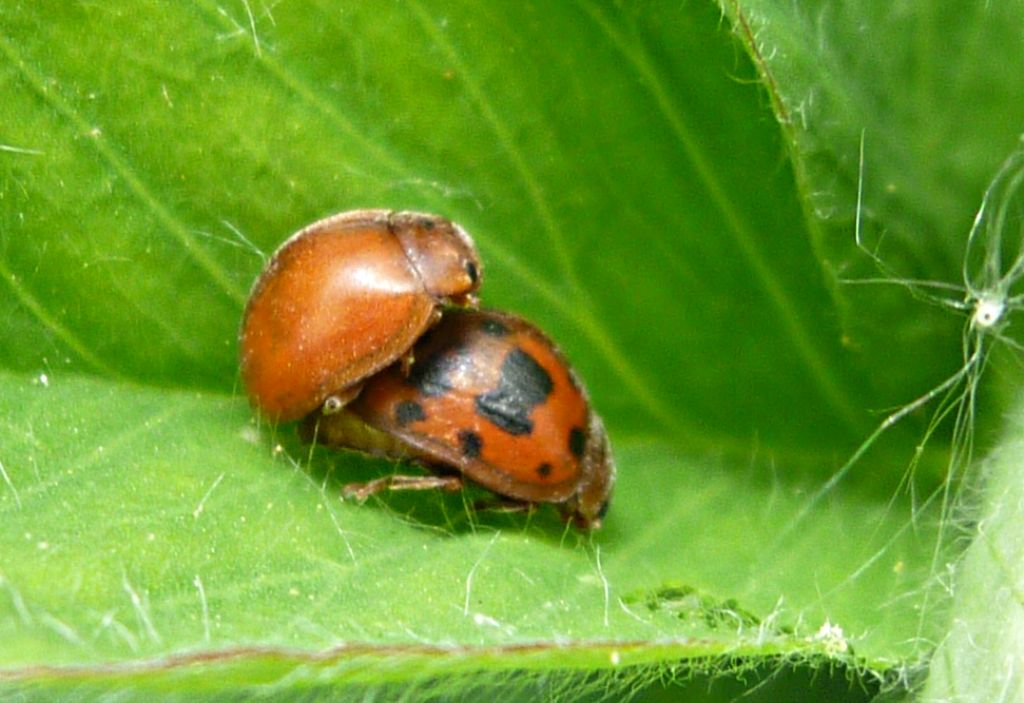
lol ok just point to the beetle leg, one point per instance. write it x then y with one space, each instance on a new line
339 399
399 482
465 300
407 361
409 357
504 505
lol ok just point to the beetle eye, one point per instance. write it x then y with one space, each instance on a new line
471 271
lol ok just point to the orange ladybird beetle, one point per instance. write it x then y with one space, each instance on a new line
492 398
345 297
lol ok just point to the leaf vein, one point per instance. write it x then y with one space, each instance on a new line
121 166
739 230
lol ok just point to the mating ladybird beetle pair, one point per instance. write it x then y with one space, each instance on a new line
364 325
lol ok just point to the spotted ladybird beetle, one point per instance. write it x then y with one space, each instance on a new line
489 399
344 298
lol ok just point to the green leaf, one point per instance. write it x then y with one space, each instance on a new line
184 534
978 661
625 180
928 89
928 150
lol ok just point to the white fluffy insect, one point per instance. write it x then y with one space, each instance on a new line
993 266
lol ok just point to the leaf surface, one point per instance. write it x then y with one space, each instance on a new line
627 185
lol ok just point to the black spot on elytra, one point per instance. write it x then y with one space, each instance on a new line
471 443
427 223
493 328
523 385
409 411
577 442
431 376
544 470
471 271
